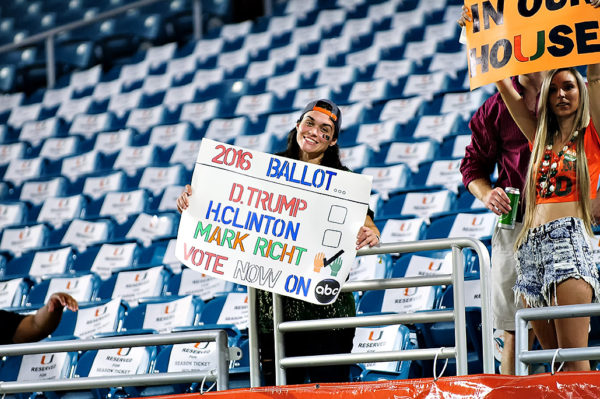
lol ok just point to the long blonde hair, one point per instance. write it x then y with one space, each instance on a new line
547 127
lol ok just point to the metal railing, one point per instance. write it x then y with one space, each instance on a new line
50 34
225 354
457 315
525 357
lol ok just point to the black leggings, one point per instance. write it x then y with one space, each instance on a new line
306 344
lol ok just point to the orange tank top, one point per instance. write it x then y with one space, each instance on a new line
565 180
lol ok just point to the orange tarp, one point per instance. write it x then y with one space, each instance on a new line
561 385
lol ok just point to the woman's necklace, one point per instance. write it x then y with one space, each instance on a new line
546 182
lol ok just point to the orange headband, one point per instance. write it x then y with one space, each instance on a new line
326 112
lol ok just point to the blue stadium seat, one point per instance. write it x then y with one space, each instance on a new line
370 267
418 204
103 259
396 338
454 146
401 230
119 205
34 132
475 225
40 264
135 284
138 360
467 201
131 159
13 213
192 282
400 300
83 287
16 240
442 334
389 179
27 368
97 185
163 314
156 179
91 319
437 174
147 228
14 291
60 210
356 157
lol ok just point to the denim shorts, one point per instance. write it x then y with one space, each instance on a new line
551 254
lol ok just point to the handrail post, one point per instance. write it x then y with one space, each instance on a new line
223 362
280 374
253 339
521 343
50 62
197 17
460 334
487 332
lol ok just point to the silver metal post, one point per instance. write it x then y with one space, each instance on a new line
280 376
223 363
487 332
197 16
50 62
253 339
460 333
521 343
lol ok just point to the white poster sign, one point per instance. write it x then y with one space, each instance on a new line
272 223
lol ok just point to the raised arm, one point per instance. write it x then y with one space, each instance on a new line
517 108
44 321
593 75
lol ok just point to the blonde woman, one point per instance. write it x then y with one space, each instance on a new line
554 256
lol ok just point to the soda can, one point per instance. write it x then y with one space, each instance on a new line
507 221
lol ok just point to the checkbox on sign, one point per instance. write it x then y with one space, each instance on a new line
337 214
332 238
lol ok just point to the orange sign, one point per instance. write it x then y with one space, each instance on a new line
512 37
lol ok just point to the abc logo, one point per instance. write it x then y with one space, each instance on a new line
326 290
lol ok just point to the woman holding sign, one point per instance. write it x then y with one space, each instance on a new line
312 140
554 257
